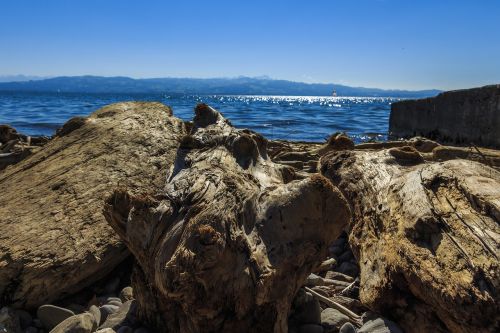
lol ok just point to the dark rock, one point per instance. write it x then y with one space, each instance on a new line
9 320
125 329
348 268
373 323
460 116
142 330
307 309
82 323
31 329
51 315
25 318
311 328
347 328
332 320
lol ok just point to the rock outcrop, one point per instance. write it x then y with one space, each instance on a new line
54 239
227 244
426 236
469 116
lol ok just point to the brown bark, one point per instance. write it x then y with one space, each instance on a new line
54 239
227 244
426 236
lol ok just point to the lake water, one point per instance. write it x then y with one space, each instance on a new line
308 118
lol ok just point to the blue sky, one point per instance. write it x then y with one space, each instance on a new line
404 44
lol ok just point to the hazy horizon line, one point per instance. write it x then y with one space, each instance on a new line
26 78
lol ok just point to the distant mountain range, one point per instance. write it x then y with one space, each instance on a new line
218 86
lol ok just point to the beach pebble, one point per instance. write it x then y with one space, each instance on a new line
126 315
127 294
37 323
9 320
311 328
82 323
115 303
51 315
142 330
373 323
96 312
125 329
106 310
25 318
308 312
347 328
332 275
348 268
31 329
113 299
332 320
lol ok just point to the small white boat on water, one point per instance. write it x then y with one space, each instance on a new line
334 93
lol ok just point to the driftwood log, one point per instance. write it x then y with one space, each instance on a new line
227 244
54 239
426 235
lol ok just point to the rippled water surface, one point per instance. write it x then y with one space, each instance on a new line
278 117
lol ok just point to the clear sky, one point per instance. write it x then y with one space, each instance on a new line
404 44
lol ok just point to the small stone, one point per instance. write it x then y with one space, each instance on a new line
113 299
37 323
82 323
106 310
127 294
311 328
115 303
332 275
332 320
25 318
51 315
308 312
9 320
347 328
96 312
126 315
373 323
314 280
125 329
348 268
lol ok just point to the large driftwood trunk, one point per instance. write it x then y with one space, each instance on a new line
227 244
54 239
426 236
